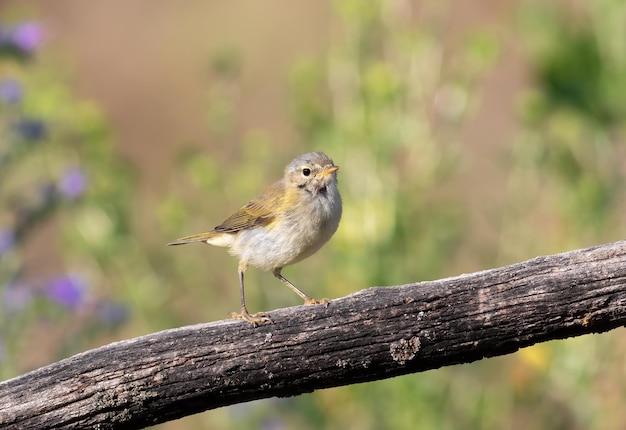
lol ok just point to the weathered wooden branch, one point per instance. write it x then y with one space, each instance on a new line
373 334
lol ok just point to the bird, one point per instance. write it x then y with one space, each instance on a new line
290 221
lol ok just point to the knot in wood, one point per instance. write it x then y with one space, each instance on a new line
404 350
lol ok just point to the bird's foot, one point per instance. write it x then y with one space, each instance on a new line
310 301
254 319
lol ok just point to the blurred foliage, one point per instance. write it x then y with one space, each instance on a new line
380 102
60 187
388 101
568 163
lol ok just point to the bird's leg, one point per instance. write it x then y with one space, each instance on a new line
307 300
254 319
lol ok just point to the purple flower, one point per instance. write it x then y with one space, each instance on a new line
7 240
73 183
68 291
28 36
16 296
11 91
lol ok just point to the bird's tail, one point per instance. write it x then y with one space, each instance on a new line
200 237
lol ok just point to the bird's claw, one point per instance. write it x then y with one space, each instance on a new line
310 301
254 319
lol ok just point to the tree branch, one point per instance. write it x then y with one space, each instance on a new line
373 334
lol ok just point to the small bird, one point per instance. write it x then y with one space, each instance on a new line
289 222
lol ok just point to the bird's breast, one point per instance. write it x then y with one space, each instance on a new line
295 233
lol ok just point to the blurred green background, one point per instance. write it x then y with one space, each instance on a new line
469 135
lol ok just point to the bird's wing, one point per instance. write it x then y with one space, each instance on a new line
260 211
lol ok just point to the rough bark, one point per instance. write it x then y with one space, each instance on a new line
373 334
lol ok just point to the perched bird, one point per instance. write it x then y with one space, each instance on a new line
289 222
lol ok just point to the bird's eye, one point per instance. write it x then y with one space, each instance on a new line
306 171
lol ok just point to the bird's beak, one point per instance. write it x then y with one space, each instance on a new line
328 170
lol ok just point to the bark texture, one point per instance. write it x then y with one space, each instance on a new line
373 334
